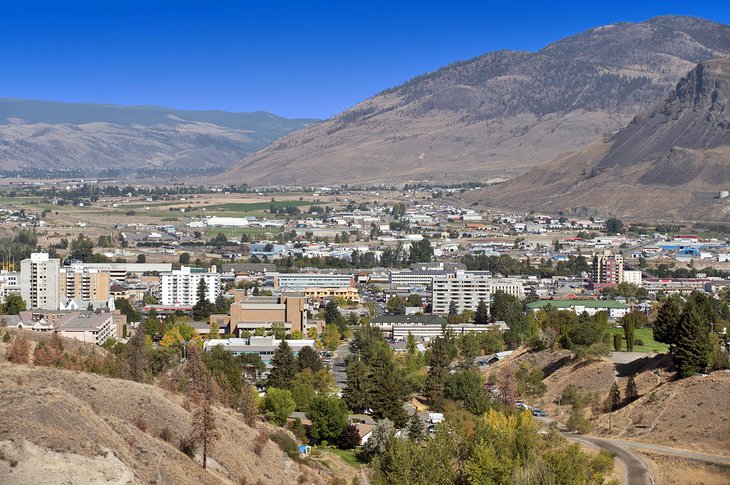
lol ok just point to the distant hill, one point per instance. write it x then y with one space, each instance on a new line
496 115
52 135
670 161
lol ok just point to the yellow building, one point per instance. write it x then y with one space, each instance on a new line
322 294
80 286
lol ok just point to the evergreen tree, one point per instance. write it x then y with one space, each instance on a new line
629 330
137 355
614 398
203 308
355 393
453 310
388 390
667 322
308 359
331 312
482 314
631 393
617 342
692 344
415 428
437 373
283 367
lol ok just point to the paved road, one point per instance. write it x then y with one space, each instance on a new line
636 472
338 365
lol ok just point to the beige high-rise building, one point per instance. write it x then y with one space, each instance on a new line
82 286
39 284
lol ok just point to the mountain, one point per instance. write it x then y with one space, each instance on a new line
496 115
670 161
57 136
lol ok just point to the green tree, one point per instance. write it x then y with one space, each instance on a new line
328 415
614 398
82 248
437 373
302 391
141 258
415 428
692 348
453 309
307 358
387 388
667 321
414 300
614 226
278 404
14 304
395 306
331 337
283 367
137 355
356 392
184 258
482 313
331 312
629 332
631 393
203 308
617 342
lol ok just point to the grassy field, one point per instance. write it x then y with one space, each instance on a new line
645 335
256 206
348 456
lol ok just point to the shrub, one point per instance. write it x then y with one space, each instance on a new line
187 445
19 350
286 444
260 442
140 422
570 395
578 422
167 434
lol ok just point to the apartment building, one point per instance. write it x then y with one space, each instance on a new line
465 290
39 281
323 294
81 286
511 286
122 272
608 269
180 287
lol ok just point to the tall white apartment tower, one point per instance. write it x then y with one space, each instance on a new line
465 290
39 281
180 287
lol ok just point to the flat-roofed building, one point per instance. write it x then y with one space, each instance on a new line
397 327
122 271
323 294
249 313
81 286
180 287
89 327
300 281
264 347
464 290
39 281
615 309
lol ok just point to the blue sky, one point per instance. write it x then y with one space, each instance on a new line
293 58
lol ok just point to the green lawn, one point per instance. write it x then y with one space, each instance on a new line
348 456
643 334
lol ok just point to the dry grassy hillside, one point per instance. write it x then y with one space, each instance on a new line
60 426
688 413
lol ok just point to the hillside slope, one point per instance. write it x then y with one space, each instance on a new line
60 426
57 136
678 151
498 114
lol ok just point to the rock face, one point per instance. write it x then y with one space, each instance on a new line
498 114
58 136
669 162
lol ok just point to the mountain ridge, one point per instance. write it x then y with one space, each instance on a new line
670 161
498 114
57 135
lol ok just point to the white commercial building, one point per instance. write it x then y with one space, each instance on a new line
39 281
89 328
300 281
632 276
465 290
180 287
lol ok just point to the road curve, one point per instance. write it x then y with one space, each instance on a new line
636 472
